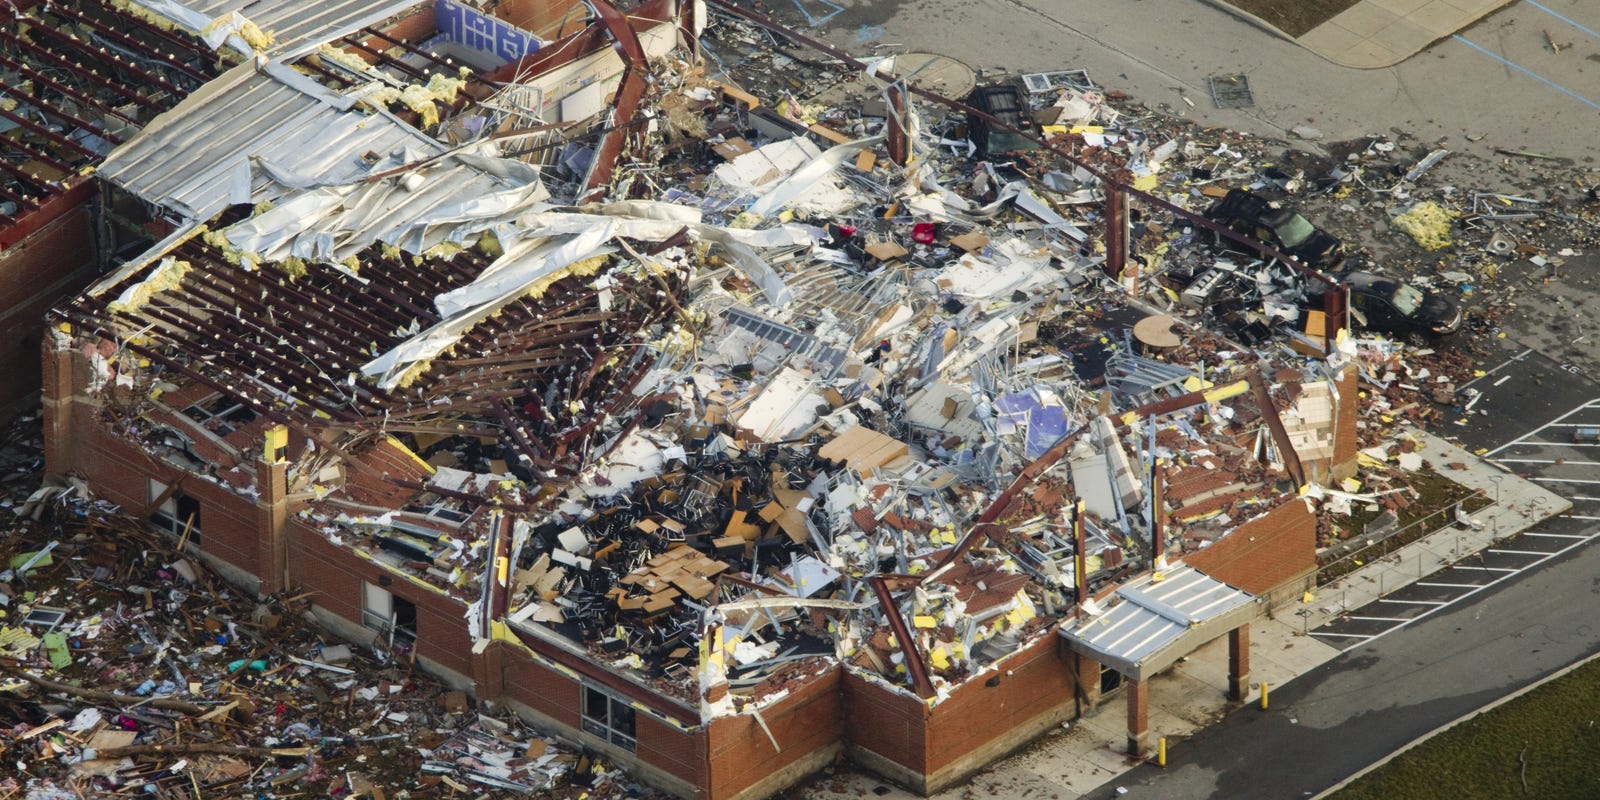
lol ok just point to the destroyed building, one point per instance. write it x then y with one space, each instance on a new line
719 430
76 80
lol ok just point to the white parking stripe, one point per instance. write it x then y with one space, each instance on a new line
1449 585
1496 368
1554 535
1380 619
1554 423
1565 480
1345 635
1498 551
1414 602
1561 461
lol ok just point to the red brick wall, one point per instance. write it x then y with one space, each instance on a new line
337 575
38 272
119 471
672 749
542 689
1264 553
1345 440
976 714
892 725
808 719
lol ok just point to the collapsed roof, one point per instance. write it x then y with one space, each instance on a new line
778 402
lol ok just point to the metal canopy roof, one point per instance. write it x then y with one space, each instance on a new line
1157 622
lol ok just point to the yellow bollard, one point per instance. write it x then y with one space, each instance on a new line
1263 694
1161 752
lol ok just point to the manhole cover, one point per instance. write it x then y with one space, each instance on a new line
1231 91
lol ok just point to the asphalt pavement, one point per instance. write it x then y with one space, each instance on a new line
1495 84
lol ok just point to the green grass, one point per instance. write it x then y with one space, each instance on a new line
1548 740
1293 17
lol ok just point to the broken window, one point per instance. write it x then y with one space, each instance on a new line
220 414
608 717
443 509
394 617
177 514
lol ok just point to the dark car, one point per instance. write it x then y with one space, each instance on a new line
1384 304
1004 102
1250 214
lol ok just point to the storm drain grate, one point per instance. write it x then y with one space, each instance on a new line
1231 91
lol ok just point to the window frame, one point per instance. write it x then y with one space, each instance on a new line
385 620
169 517
619 726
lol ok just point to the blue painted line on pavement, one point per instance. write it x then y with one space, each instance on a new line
1530 73
1563 19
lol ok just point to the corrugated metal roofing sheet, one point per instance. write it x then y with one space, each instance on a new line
1137 635
191 159
291 23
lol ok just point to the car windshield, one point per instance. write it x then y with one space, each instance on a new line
1407 299
1295 231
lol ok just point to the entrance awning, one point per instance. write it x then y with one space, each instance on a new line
1154 623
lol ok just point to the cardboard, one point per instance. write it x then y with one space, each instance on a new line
886 251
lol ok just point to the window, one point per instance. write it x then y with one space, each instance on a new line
176 513
607 717
394 617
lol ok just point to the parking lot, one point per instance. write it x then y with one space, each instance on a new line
1448 571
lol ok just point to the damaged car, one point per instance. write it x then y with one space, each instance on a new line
1249 214
1389 305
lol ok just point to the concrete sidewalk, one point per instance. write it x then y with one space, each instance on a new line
1090 751
1374 34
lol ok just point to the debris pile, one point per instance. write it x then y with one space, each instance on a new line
127 666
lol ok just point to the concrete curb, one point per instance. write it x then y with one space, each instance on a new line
1564 671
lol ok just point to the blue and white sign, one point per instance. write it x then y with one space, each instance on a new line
486 34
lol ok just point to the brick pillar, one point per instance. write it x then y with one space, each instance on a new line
1116 234
1239 662
60 440
1087 673
272 526
489 672
1138 716
1346 444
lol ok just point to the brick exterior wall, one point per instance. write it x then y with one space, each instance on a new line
888 724
673 750
730 758
1033 681
44 268
337 576
543 689
1346 442
809 719
976 723
1263 555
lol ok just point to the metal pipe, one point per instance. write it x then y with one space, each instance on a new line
1280 434
908 645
